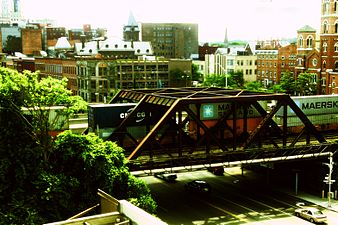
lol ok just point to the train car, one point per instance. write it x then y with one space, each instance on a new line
104 118
211 113
321 110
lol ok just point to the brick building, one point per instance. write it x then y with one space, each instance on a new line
31 41
329 47
273 59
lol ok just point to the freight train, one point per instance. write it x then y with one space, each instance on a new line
322 111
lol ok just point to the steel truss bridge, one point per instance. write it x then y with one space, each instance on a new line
177 133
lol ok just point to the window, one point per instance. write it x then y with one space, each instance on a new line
326 7
335 6
324 47
336 47
314 62
102 69
325 27
300 41
324 64
309 42
336 65
336 27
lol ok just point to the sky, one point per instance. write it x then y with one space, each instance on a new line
243 19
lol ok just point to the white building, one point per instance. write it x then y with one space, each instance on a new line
232 59
10 12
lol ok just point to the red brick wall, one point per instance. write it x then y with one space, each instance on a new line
31 41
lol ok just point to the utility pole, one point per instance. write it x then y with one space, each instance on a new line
328 179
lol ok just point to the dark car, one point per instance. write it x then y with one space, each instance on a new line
218 170
198 186
169 177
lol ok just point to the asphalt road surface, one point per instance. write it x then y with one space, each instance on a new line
234 199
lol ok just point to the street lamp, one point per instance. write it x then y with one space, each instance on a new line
328 179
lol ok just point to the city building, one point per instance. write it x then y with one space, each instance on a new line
53 34
308 56
329 47
131 31
31 40
172 40
274 57
232 59
206 50
11 12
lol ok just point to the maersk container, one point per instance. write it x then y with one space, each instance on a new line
315 120
313 105
215 111
108 115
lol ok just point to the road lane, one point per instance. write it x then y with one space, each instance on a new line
242 202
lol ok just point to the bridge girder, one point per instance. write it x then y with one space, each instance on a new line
170 113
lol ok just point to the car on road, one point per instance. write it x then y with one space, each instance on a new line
169 177
311 214
200 186
218 170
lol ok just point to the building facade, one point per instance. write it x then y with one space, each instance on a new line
131 31
31 41
329 47
232 59
10 12
172 40
96 79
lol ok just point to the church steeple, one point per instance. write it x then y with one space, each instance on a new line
226 41
131 30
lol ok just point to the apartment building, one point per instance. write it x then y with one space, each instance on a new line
172 40
232 59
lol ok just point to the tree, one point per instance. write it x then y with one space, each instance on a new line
305 84
180 77
196 75
38 97
39 185
253 86
80 165
215 80
13 44
277 88
236 79
287 82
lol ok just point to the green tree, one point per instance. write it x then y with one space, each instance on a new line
38 98
215 80
277 88
35 189
236 79
253 86
305 84
13 44
81 164
196 75
287 82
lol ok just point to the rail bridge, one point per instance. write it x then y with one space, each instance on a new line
184 127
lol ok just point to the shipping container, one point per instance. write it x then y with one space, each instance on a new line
321 122
215 111
107 115
313 105
252 123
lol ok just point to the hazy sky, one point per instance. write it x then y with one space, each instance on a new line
244 19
